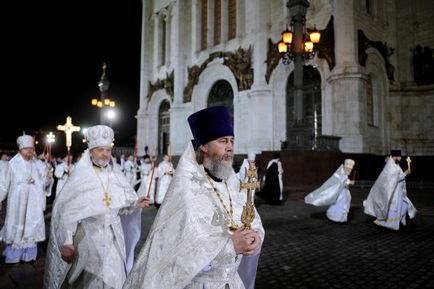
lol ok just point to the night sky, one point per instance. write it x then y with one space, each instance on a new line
53 54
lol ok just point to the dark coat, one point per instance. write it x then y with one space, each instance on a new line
271 190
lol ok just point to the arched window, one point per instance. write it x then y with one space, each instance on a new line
222 94
163 127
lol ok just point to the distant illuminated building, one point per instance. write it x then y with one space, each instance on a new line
365 91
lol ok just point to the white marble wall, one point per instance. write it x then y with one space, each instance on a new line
405 112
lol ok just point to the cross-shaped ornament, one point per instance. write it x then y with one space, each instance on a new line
248 214
251 184
107 199
68 128
408 162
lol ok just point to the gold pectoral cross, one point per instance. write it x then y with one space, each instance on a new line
107 199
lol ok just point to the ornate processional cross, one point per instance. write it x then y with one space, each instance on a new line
248 214
68 128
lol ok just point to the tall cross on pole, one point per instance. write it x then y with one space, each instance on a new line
68 128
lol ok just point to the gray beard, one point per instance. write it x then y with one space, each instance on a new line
219 169
101 163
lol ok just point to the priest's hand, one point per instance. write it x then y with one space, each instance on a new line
68 253
255 244
143 202
246 242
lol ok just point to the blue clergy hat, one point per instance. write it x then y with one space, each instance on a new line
209 124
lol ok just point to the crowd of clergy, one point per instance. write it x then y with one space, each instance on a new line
197 240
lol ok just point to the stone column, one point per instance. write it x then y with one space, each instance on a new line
178 50
195 28
348 83
145 55
259 102
224 21
178 123
156 47
145 72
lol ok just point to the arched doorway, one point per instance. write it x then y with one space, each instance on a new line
222 94
303 133
163 127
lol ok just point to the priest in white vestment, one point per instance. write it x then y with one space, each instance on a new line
197 239
62 172
335 193
165 173
242 172
95 222
130 170
25 184
387 199
148 179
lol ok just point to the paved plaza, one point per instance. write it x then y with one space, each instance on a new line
303 249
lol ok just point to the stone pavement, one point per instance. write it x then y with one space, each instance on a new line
303 249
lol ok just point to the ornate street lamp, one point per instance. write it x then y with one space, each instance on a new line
298 41
297 46
104 103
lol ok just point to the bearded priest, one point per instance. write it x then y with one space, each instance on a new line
197 240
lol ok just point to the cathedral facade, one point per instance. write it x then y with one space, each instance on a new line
369 88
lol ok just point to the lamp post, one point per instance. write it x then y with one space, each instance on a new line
297 45
50 139
105 104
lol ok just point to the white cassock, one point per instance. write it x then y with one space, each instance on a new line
189 244
164 173
62 173
25 184
148 179
242 172
387 199
335 194
130 172
104 235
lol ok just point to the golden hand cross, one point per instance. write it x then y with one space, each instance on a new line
251 175
248 214
408 162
